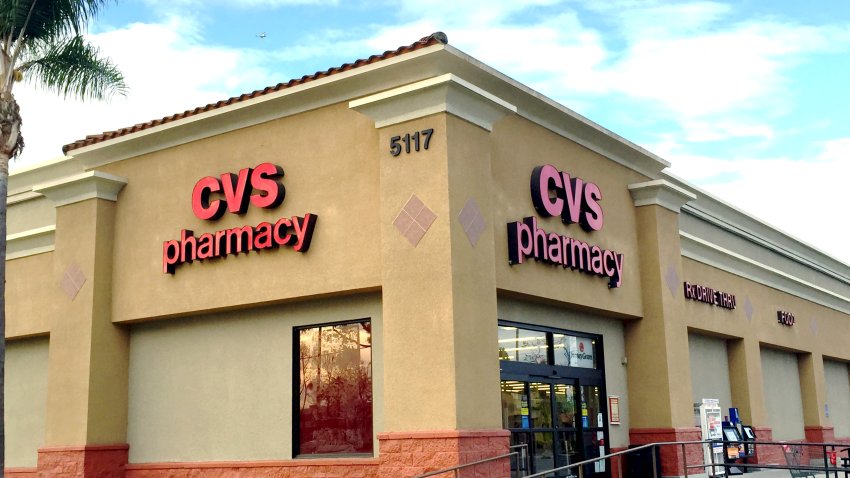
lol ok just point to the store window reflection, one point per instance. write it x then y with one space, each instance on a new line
522 345
335 389
572 351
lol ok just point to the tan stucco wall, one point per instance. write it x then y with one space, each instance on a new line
328 156
710 370
817 328
219 386
783 398
86 401
33 295
417 286
818 331
838 396
573 320
518 147
474 279
31 214
25 397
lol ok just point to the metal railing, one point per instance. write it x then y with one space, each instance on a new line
521 454
826 448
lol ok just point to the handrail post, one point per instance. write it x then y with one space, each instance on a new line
654 465
620 466
526 461
685 460
825 463
711 455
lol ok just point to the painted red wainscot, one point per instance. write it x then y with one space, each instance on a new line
101 461
21 472
672 459
402 455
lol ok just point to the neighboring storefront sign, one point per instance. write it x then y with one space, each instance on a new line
707 295
213 196
785 318
556 193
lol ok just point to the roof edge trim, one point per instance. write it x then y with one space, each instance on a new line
729 261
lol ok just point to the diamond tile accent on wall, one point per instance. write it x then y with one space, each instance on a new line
748 309
72 281
472 221
414 220
814 326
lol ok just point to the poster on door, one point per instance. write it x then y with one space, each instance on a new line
581 352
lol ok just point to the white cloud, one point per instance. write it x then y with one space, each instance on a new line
467 12
802 198
168 70
686 61
173 4
719 130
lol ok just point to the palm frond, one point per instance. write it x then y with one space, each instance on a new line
72 67
49 17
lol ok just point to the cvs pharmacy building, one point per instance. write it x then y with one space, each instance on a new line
394 266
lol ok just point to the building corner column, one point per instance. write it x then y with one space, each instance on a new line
813 393
438 276
657 344
86 419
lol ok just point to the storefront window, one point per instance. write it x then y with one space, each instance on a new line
335 391
541 405
514 404
571 351
565 400
522 345
590 408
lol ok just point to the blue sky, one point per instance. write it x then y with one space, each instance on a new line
748 99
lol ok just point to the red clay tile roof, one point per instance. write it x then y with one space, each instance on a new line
433 39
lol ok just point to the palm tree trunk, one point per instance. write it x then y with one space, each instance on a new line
10 144
4 188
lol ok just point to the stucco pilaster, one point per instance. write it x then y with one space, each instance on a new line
88 358
657 344
437 248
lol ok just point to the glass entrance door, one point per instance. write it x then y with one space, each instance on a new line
559 421
553 389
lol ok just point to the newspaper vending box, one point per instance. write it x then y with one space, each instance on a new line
709 418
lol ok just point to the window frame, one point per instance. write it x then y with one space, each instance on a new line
589 376
296 389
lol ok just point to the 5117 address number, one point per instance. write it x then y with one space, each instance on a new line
411 142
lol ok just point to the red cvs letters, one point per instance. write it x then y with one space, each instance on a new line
237 191
213 196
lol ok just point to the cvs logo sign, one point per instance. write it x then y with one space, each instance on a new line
212 195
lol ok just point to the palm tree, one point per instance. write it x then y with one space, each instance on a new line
42 41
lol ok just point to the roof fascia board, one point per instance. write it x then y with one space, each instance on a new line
386 74
445 93
315 94
31 242
21 180
662 193
81 187
726 260
724 216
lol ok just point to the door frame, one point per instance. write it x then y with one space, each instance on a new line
558 374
